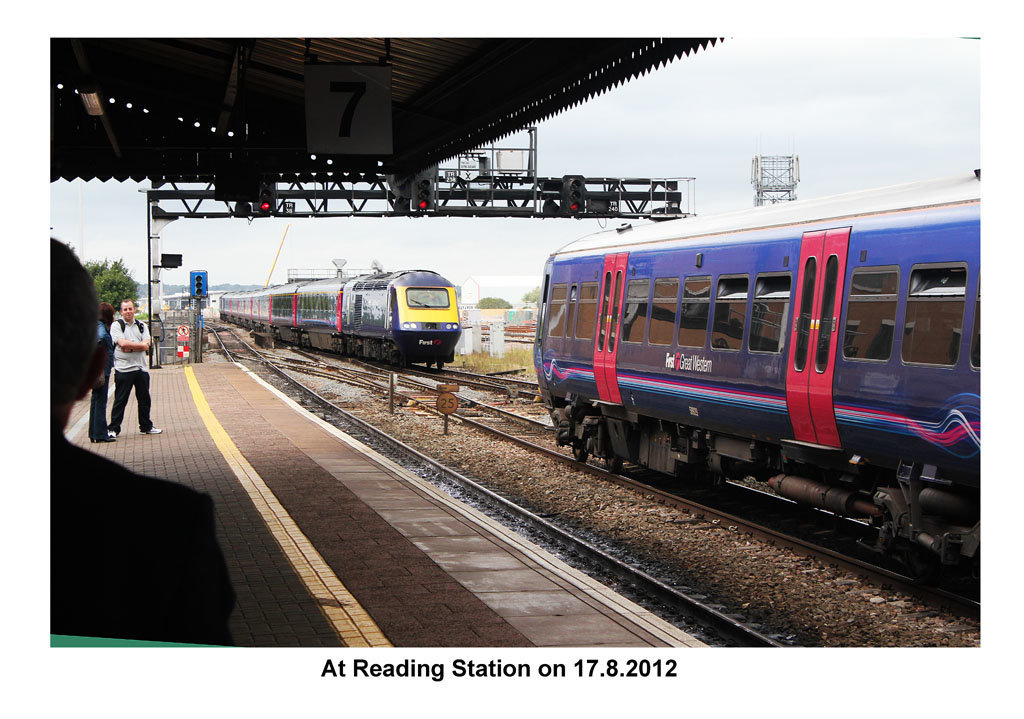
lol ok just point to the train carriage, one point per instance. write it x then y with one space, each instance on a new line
318 314
283 318
830 346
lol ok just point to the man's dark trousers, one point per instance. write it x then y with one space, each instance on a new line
123 384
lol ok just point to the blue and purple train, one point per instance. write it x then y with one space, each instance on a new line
830 347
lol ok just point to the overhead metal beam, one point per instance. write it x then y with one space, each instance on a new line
640 198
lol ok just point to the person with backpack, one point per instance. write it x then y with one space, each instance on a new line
131 369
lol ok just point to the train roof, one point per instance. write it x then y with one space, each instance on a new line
286 289
272 289
400 278
333 284
913 195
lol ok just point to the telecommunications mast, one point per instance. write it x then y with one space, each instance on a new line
774 178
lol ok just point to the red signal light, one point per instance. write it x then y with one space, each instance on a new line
264 206
423 204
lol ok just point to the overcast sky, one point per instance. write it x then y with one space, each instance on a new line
859 113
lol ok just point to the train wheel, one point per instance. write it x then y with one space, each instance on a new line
579 451
923 565
613 464
440 365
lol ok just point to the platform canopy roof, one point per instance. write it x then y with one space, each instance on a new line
191 109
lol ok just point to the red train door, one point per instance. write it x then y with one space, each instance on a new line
609 324
814 341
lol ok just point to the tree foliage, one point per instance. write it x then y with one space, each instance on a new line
113 281
494 303
533 295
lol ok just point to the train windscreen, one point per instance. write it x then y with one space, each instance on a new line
427 297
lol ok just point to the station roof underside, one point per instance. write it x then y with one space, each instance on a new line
449 96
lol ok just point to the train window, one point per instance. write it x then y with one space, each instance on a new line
602 316
634 321
278 305
770 313
543 308
556 311
828 319
435 298
976 340
616 304
586 317
570 312
663 311
693 312
730 313
803 329
935 315
871 314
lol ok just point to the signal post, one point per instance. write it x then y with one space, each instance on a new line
198 291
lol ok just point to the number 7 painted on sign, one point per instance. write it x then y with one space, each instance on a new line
348 109
357 90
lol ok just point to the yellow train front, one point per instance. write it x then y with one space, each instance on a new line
407 317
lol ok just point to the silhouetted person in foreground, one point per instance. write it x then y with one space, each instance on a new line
131 557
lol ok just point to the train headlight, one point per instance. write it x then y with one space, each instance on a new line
405 325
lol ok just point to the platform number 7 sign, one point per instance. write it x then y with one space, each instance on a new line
348 109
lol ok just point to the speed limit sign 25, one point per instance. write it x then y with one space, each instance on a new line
447 403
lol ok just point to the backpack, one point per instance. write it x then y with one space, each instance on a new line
138 323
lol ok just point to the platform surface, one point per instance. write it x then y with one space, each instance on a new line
330 544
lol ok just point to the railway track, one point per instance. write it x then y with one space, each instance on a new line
810 533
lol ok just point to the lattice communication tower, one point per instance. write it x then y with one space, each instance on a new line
774 178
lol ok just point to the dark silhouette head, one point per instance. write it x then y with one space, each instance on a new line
76 360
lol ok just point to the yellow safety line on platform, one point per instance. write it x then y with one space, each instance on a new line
353 625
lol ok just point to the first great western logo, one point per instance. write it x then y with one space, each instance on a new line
687 363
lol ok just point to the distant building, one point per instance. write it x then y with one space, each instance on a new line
507 287
180 301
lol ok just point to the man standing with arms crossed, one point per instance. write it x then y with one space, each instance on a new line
131 369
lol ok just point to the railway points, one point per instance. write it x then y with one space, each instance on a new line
344 548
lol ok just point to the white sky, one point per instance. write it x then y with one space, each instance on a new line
859 113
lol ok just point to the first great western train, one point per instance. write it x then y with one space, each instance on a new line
829 347
406 317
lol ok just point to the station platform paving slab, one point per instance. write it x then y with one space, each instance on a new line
330 544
